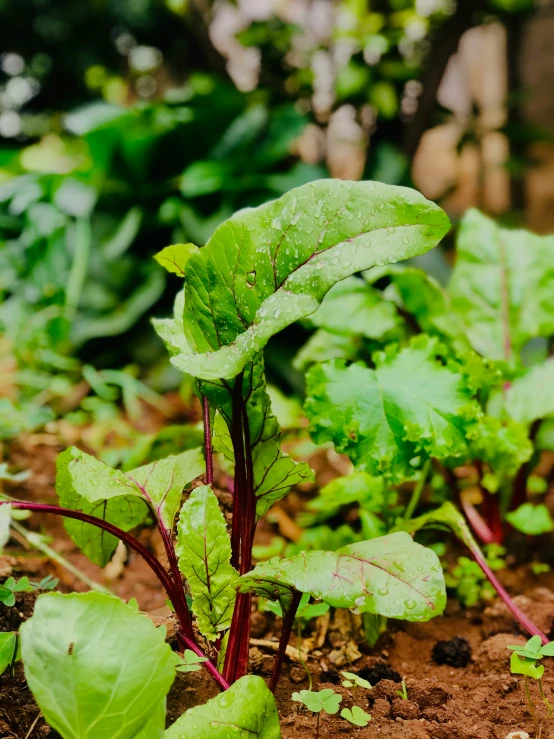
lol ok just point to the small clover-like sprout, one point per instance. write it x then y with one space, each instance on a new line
526 658
356 716
353 680
189 662
322 700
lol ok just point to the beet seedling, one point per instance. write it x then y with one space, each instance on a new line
317 701
354 680
403 692
262 270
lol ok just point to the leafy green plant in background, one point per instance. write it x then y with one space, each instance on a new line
262 269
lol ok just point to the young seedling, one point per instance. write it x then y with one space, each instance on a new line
403 692
352 680
356 716
317 701
10 587
526 660
189 662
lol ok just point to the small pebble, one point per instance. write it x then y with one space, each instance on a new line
518 735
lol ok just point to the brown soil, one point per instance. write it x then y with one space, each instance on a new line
479 701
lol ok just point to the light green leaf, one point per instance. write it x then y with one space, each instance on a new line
175 257
359 487
96 666
267 267
5 523
8 644
531 397
530 519
505 446
204 552
382 418
319 700
356 716
391 575
247 708
502 285
353 307
163 482
85 484
323 345
523 666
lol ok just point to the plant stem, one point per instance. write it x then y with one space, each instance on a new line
530 703
544 698
304 665
416 495
484 534
288 623
208 441
317 725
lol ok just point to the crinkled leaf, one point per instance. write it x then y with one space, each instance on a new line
531 397
274 471
267 267
96 666
247 708
162 482
85 484
8 644
391 575
204 552
353 307
175 257
502 285
504 446
530 519
382 418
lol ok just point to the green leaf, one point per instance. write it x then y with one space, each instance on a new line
8 645
523 666
322 700
96 666
85 484
175 257
354 679
384 417
267 267
502 285
547 650
189 662
204 552
353 307
359 487
247 708
163 482
323 345
531 397
530 519
505 446
356 716
391 575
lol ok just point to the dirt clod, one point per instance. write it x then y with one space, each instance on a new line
379 671
494 655
455 652
404 709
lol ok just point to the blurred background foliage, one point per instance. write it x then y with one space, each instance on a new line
126 125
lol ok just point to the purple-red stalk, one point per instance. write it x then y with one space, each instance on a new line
480 528
208 441
288 623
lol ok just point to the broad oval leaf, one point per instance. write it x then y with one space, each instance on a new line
247 708
382 418
266 267
531 397
204 552
502 285
391 576
85 484
97 667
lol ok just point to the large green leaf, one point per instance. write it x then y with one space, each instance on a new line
384 417
204 552
502 285
266 267
531 397
391 576
246 709
274 471
97 667
85 484
8 645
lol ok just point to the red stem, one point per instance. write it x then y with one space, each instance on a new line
288 623
484 534
208 441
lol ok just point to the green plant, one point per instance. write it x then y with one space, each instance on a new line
356 716
317 701
403 692
526 660
353 680
281 259
11 586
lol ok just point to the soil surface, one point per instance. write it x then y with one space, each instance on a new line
470 695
